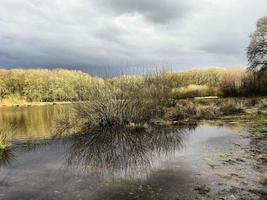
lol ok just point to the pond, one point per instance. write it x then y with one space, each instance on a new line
31 122
189 162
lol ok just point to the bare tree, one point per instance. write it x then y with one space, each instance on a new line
257 57
257 49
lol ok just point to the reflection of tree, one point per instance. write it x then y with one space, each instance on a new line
31 122
6 156
122 152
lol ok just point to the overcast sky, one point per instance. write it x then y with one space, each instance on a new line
94 34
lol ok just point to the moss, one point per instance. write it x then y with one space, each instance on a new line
203 189
208 159
259 129
162 122
135 126
3 145
227 177
224 154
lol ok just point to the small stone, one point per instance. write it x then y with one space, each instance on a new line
203 189
232 197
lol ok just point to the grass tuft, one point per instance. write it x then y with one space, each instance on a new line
232 107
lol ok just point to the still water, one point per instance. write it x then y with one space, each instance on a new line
31 122
167 163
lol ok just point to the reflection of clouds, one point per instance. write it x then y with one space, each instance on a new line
122 153
236 128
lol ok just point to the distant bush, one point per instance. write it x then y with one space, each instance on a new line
46 85
231 83
193 91
240 82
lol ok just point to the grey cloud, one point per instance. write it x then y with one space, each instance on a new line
91 34
160 11
225 45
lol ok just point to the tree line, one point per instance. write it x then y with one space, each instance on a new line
46 85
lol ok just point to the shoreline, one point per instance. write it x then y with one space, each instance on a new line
29 104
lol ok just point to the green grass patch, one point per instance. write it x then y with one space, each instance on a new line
224 154
259 129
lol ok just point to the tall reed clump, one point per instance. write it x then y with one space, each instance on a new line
109 110
104 108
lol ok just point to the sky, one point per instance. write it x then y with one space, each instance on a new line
111 35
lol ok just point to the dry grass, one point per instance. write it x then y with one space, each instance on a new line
232 107
123 100
191 91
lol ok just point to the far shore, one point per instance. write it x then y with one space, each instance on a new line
28 104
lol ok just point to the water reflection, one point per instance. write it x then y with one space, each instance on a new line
31 122
6 156
124 153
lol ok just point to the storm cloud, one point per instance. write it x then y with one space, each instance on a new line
95 34
161 11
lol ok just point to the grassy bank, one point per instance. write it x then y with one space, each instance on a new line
134 101
114 113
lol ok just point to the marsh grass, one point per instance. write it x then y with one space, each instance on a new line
219 108
232 107
139 100
191 110
110 108
105 108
